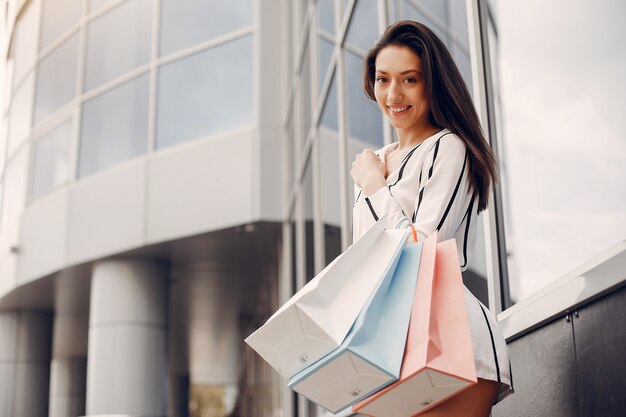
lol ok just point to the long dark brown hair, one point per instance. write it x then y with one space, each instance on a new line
451 105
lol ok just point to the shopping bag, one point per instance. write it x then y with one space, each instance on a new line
371 354
317 318
439 359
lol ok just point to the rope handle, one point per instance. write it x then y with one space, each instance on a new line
413 232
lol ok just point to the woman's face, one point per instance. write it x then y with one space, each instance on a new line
399 88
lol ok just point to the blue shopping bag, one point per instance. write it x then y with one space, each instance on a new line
370 357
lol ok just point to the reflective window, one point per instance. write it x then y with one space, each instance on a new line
364 118
561 137
363 29
329 114
325 52
20 115
96 4
56 79
464 64
185 23
412 13
51 161
205 93
458 20
326 15
15 188
24 49
58 17
112 52
435 7
114 126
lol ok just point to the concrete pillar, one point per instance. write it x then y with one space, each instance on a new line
126 363
25 340
68 369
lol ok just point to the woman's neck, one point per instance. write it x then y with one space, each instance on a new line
411 137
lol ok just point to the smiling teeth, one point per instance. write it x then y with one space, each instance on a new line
398 109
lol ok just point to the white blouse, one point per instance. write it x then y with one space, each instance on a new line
429 189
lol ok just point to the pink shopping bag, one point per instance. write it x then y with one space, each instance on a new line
439 359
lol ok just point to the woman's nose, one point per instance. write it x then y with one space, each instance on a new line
395 92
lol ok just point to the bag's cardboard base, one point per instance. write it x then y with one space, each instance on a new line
414 395
346 379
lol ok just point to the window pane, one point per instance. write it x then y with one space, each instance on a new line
96 4
464 64
412 13
15 188
51 163
56 79
436 7
112 52
325 52
58 17
187 22
114 126
24 48
20 114
562 135
363 29
364 118
326 15
205 93
458 20
329 114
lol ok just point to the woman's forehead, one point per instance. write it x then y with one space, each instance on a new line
395 58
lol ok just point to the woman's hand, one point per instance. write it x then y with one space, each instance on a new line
368 172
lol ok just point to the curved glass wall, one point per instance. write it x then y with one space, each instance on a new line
114 124
560 124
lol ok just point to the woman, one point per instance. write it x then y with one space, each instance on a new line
437 177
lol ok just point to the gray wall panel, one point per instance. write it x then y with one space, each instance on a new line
544 375
600 334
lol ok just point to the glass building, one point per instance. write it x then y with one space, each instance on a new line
171 171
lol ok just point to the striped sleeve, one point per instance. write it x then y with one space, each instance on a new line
443 189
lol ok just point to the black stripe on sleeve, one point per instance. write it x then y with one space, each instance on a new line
404 162
493 343
468 216
369 204
456 189
511 375
359 195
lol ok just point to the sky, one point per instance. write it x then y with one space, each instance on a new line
562 66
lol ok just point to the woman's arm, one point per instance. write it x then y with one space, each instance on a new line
441 200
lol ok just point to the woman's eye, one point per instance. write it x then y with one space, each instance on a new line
410 80
381 80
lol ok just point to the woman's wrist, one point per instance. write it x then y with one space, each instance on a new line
372 187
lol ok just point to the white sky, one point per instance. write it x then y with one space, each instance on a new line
562 71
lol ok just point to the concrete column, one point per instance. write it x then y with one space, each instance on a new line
25 340
68 370
126 363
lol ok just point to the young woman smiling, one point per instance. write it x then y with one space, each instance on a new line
437 176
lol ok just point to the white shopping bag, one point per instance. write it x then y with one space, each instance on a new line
316 320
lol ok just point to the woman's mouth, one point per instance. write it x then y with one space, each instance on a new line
398 110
